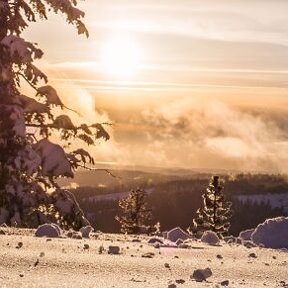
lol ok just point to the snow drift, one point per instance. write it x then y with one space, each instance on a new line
210 237
273 233
48 230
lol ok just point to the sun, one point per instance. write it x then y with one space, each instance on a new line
121 57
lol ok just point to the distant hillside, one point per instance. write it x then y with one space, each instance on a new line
175 198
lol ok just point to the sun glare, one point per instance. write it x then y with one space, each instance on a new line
120 57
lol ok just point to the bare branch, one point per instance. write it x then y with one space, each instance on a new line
100 169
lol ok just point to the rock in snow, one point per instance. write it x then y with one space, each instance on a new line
273 233
85 231
248 244
177 233
200 275
154 240
210 238
115 250
246 234
48 230
74 234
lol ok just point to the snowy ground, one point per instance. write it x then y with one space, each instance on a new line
57 262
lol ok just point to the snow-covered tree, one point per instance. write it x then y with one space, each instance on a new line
216 212
29 161
136 215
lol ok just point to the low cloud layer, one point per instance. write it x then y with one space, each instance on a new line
193 133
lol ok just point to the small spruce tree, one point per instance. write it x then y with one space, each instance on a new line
30 162
216 211
136 215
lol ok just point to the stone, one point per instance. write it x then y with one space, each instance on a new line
136 240
157 245
248 244
148 255
200 275
86 246
19 245
177 233
252 255
74 234
180 281
154 240
114 250
225 283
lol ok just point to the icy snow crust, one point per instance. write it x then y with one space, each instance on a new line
64 262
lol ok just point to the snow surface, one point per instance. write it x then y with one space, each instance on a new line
273 233
58 262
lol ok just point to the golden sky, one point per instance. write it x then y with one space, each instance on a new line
188 83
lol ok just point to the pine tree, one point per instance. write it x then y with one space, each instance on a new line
29 161
216 211
136 215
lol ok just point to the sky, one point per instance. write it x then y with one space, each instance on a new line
187 83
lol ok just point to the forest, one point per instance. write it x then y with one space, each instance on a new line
174 200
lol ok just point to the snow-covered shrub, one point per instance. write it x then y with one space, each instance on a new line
210 237
86 230
216 212
273 233
48 230
246 234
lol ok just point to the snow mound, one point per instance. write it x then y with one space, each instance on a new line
246 234
210 238
86 230
273 233
53 158
177 233
48 230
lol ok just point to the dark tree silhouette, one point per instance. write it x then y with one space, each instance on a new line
29 161
136 215
216 211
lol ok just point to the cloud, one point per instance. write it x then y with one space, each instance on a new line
211 134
